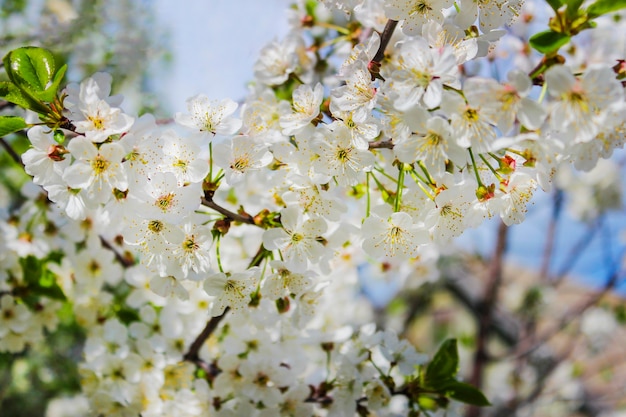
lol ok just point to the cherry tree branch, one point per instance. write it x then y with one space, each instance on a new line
557 204
485 312
196 345
14 155
194 349
381 144
126 262
385 37
208 202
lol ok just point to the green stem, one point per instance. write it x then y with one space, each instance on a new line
399 189
339 29
382 171
217 254
425 171
480 183
490 167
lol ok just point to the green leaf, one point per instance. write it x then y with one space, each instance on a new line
10 92
40 280
548 41
444 366
601 7
31 268
10 124
30 68
555 4
466 393
50 93
572 8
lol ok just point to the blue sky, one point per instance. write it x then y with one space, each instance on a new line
215 44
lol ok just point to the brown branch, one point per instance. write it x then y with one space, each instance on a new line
192 353
557 204
385 37
576 250
208 202
486 310
125 261
571 315
14 155
380 144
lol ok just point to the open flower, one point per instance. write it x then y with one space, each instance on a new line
394 236
298 239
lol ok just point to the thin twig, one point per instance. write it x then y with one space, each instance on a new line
126 262
208 202
380 144
14 155
571 315
385 37
577 250
192 353
557 204
486 310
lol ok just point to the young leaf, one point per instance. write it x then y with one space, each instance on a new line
30 68
548 41
466 393
11 93
10 124
601 7
50 93
555 4
444 366
572 8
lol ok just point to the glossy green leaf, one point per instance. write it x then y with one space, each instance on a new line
444 366
11 124
30 67
601 7
572 8
10 92
548 41
50 93
466 393
555 4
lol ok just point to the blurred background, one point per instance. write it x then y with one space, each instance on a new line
162 52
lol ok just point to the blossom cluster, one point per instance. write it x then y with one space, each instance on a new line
262 218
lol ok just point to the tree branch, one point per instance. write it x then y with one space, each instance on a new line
192 353
385 37
14 155
380 144
557 204
486 310
208 202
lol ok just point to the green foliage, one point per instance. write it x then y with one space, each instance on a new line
443 367
572 8
548 41
45 371
555 4
39 280
8 7
440 379
601 7
33 84
11 124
